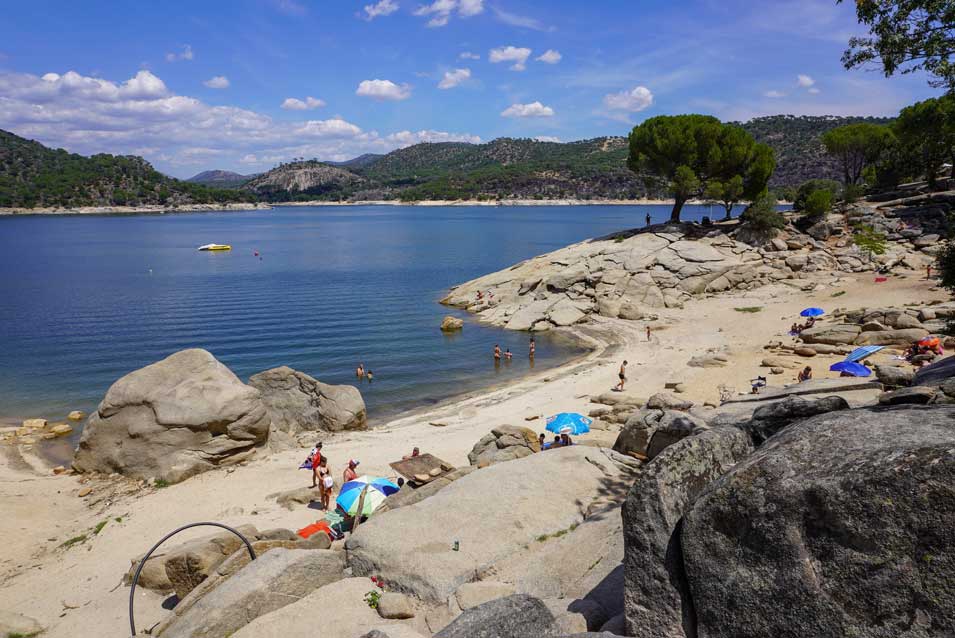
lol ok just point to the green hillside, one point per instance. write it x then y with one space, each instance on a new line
32 175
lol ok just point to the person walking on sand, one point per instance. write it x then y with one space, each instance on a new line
315 456
648 333
327 482
533 348
350 474
623 376
497 352
360 370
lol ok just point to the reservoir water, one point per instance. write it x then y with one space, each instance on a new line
87 299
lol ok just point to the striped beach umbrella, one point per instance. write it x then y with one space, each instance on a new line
376 490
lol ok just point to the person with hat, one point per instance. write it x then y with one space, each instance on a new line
350 474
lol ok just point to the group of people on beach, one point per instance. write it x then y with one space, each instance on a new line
361 373
797 328
322 474
560 440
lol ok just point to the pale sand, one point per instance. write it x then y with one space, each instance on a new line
41 511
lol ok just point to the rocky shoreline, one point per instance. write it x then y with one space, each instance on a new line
134 210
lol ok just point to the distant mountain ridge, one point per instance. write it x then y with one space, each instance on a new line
32 175
220 179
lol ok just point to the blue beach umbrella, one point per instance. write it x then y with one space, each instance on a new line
375 489
851 367
569 423
812 312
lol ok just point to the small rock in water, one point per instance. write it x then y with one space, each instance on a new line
86 491
61 429
35 424
450 324
76 415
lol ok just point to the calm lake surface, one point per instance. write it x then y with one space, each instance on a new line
89 299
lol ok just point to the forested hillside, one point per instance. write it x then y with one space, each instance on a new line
32 175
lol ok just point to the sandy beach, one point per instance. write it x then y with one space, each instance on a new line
76 589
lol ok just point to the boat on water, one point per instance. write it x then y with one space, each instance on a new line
215 247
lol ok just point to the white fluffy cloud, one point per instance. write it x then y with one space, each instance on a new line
804 81
774 94
467 55
408 138
534 109
517 55
383 90
180 133
440 10
547 138
382 8
217 82
814 90
184 54
634 100
453 78
550 56
295 104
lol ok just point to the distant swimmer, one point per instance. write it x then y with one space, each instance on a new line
533 348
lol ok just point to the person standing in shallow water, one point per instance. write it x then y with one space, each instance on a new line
360 370
648 219
497 352
532 349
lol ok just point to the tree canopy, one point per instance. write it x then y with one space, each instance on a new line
906 36
926 134
856 146
697 155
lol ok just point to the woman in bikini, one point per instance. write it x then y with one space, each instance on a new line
327 482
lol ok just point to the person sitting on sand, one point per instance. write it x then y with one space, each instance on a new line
540 440
480 295
623 377
315 457
565 440
327 482
794 330
360 370
810 322
497 352
556 444
413 454
350 474
805 374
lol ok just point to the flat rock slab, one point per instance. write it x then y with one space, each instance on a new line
338 610
494 513
276 579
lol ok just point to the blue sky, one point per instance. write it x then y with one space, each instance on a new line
242 85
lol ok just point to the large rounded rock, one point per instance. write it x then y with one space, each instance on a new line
173 419
894 376
298 402
664 490
838 526
516 616
451 324
902 337
504 443
836 334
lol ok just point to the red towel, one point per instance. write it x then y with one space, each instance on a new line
320 526
879 280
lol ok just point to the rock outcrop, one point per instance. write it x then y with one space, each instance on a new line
173 419
299 403
519 505
840 525
504 443
661 495
451 324
274 580
516 616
